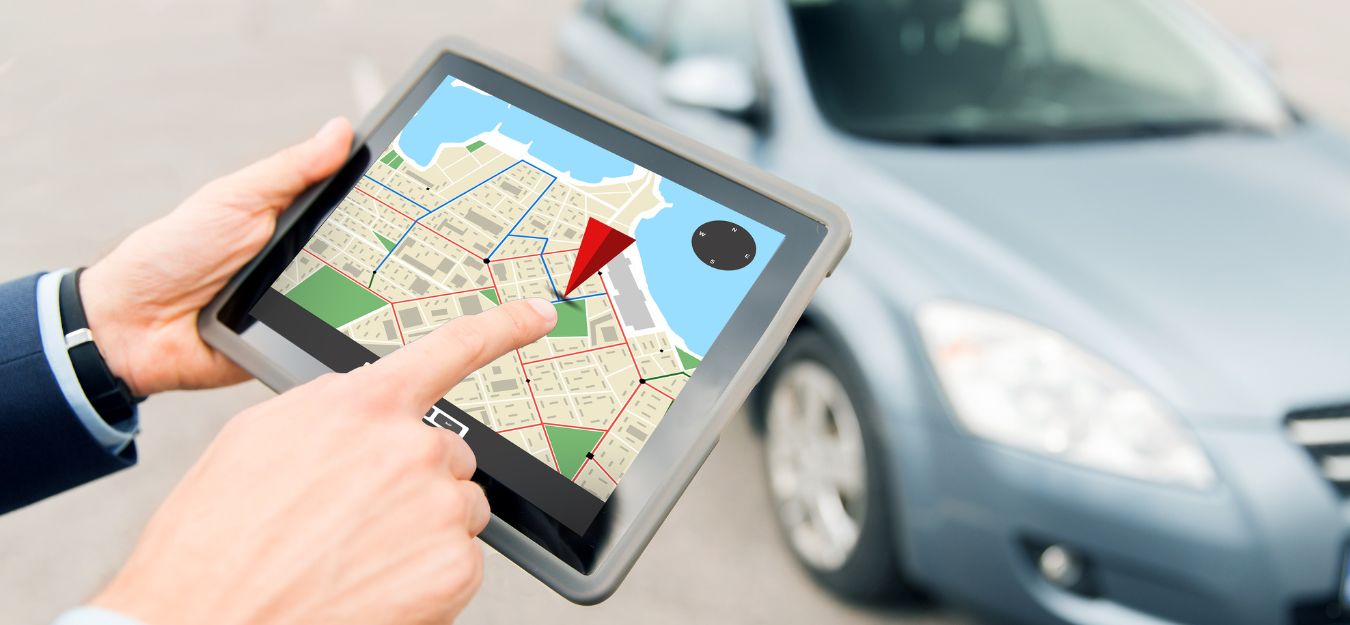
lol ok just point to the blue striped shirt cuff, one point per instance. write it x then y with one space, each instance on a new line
93 616
114 439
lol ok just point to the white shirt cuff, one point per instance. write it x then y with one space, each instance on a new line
114 439
93 616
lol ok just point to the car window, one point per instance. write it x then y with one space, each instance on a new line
1090 37
711 27
638 21
966 71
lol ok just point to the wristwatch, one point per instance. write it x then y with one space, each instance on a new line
109 395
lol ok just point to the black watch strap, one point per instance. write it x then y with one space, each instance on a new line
109 395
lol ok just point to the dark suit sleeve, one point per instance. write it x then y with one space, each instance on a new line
44 449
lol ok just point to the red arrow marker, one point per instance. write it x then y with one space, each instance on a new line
599 245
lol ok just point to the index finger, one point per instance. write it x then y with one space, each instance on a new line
426 369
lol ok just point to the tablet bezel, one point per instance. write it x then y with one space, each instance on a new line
816 235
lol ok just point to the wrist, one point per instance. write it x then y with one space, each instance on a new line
107 319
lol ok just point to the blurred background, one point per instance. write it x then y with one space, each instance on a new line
1222 243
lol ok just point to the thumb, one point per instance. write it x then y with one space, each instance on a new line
273 182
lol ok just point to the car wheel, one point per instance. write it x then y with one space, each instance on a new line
826 473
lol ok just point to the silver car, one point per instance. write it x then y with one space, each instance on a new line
1089 358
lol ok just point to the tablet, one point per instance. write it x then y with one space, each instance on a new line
677 274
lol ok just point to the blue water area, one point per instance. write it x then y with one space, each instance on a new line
696 299
454 114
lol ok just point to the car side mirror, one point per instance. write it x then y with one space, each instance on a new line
716 83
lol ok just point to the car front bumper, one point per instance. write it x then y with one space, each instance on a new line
1265 546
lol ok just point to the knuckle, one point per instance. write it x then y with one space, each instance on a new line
461 453
453 509
442 507
423 446
463 568
477 502
475 495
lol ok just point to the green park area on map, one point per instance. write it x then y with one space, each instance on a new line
333 298
571 319
687 360
392 159
571 445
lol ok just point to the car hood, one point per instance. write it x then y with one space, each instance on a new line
1223 259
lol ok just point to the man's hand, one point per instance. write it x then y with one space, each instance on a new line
142 300
331 503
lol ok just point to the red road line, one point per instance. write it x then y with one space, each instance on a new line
448 240
612 422
419 223
602 470
519 360
598 466
537 413
494 285
659 391
574 353
344 274
367 194
616 417
397 324
580 469
497 260
620 322
544 423
413 299
574 427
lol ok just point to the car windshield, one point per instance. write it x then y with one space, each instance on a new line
970 71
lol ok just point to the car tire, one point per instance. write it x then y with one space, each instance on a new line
837 521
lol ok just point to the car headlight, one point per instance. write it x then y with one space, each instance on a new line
1016 383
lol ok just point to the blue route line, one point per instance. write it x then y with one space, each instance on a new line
527 211
391 190
443 205
543 248
543 262
573 299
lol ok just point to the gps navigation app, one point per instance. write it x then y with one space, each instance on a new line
478 202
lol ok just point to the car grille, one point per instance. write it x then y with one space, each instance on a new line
1325 433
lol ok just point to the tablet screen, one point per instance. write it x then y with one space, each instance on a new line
477 202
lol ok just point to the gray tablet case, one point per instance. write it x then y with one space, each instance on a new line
281 365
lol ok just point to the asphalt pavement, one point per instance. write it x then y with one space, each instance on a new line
110 113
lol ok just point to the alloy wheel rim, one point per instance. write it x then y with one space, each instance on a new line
816 463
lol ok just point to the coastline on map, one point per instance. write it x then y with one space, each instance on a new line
635 266
696 300
458 109
511 147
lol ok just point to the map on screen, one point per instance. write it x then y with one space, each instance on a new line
477 202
